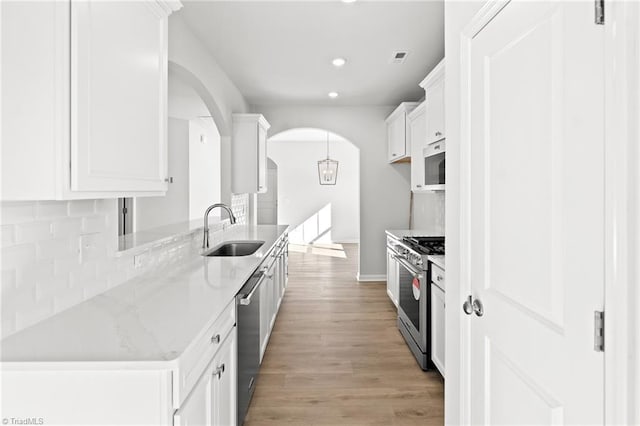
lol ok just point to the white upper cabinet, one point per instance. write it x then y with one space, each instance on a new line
399 145
433 85
119 96
84 86
418 136
249 153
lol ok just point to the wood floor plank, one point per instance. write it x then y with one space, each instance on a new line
336 357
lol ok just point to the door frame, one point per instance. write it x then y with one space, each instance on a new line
622 212
622 202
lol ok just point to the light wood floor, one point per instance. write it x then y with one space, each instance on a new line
336 357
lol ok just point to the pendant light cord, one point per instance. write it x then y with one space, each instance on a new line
327 145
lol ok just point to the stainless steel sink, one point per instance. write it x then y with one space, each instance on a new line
235 248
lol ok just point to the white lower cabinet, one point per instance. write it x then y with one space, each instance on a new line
437 327
272 291
212 401
393 280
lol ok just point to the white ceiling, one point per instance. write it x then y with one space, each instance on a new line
280 52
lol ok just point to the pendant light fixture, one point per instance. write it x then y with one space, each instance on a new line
328 169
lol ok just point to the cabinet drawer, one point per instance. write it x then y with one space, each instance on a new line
437 276
198 355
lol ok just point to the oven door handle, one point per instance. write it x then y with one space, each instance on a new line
401 260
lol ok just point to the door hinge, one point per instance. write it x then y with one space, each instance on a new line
598 331
124 210
599 4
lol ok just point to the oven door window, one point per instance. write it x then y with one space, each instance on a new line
434 169
407 299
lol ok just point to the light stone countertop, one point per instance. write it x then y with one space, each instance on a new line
149 319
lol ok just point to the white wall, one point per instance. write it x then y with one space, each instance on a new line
204 166
153 212
428 212
301 198
384 188
190 59
456 16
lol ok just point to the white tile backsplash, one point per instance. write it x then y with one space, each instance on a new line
56 254
240 207
17 212
428 212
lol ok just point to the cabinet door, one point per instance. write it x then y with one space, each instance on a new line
283 273
396 133
275 292
262 159
437 327
196 409
224 382
392 278
418 138
435 111
265 314
118 96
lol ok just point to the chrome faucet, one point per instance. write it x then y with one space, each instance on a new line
232 219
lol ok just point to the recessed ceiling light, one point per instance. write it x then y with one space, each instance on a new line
339 62
333 95
348 1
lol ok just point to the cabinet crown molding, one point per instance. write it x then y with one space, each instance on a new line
404 107
166 7
417 110
434 75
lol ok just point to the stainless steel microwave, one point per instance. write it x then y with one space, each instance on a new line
434 164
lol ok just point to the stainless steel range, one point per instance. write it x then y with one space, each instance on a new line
413 301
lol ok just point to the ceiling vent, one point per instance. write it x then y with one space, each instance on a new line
399 57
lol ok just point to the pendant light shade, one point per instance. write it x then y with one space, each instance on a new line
328 169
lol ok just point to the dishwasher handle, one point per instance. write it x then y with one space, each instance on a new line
246 300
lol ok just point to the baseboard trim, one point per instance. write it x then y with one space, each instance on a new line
371 278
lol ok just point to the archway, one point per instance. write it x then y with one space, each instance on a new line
194 160
319 215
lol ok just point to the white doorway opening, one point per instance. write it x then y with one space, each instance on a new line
317 214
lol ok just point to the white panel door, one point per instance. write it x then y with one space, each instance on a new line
535 211
118 96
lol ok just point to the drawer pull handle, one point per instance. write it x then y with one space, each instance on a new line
219 371
215 339
439 278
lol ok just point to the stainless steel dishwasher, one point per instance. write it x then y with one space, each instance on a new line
248 323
